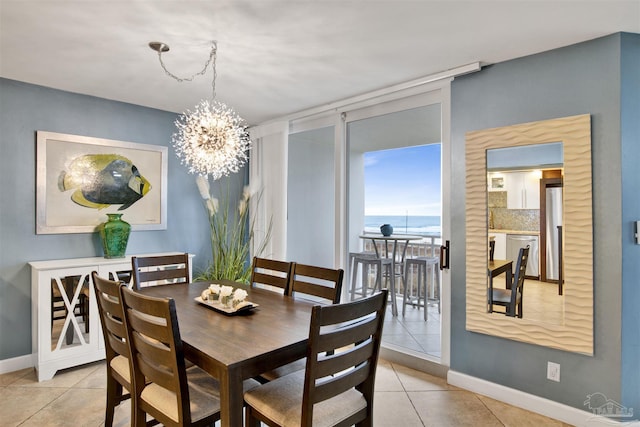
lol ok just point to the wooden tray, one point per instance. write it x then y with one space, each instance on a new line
216 305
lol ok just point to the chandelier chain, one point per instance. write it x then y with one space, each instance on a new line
211 61
212 139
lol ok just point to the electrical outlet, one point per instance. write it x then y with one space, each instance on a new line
553 371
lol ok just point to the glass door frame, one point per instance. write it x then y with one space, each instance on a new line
427 94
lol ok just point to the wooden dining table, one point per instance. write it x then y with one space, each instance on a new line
498 266
233 348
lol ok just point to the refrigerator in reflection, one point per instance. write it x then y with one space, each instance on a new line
554 220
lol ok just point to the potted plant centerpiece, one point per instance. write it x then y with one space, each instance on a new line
233 233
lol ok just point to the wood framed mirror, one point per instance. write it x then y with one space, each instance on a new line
575 332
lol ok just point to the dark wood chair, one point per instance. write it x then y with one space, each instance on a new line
160 270
162 387
512 298
336 388
492 249
116 348
323 283
271 272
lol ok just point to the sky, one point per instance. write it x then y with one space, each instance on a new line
403 181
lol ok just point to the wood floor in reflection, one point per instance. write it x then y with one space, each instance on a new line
541 301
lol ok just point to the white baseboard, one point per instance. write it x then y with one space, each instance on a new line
17 363
530 402
413 360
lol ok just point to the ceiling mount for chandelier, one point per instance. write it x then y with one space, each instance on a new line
213 139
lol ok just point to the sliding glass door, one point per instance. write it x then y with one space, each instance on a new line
395 173
350 171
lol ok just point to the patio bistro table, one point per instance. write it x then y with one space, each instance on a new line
395 238
235 348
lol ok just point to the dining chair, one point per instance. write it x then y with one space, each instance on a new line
116 349
160 270
512 298
162 386
335 389
321 282
325 284
271 272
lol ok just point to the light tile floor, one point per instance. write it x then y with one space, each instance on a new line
541 303
411 331
404 398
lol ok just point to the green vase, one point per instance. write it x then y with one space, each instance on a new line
115 236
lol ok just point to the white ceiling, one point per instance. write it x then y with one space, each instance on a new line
279 57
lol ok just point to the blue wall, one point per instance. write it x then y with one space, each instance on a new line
579 79
630 126
25 109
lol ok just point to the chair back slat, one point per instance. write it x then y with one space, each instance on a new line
349 358
116 335
165 274
145 326
341 383
271 272
348 334
159 270
344 313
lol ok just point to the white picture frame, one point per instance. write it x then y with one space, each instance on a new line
58 213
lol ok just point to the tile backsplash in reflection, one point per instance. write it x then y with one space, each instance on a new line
510 219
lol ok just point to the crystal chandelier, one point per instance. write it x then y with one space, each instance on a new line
212 139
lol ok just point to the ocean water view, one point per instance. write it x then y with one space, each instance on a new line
405 224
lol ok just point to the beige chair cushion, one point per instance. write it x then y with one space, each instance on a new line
204 392
120 365
281 401
204 395
290 368
504 295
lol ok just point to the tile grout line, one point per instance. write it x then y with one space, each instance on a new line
44 407
407 394
488 409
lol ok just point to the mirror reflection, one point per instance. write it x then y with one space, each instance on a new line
575 332
524 221
69 311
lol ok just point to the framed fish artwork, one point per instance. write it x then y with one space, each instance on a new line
80 179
